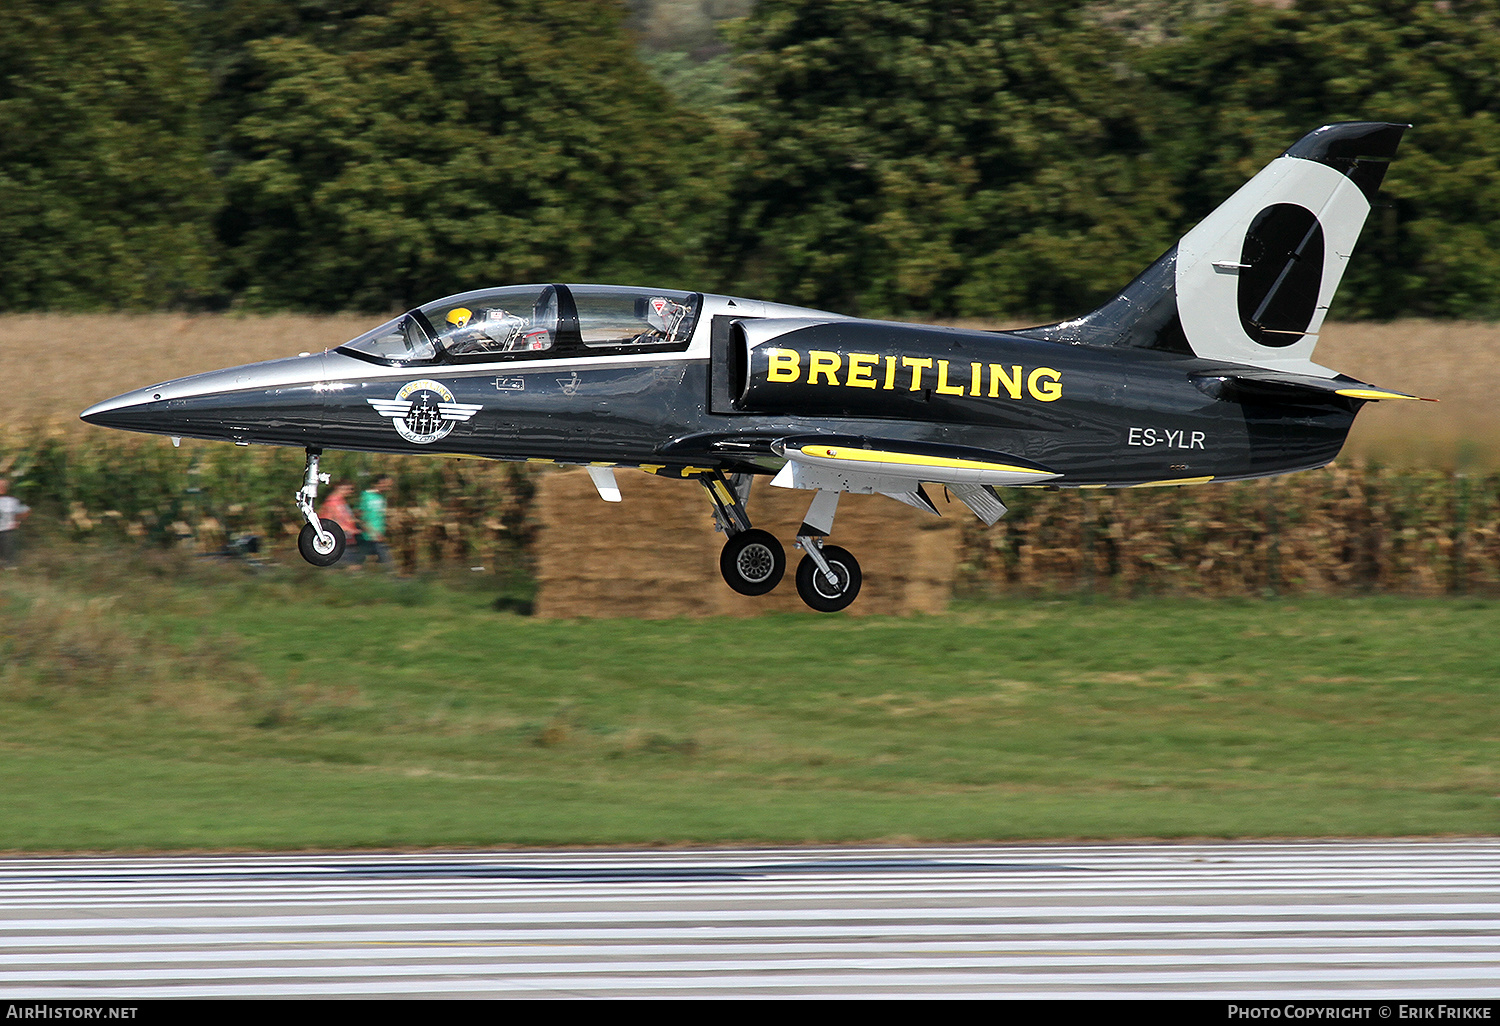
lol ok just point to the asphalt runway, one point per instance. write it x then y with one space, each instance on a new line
1379 920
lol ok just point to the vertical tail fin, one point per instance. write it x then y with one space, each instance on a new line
1252 282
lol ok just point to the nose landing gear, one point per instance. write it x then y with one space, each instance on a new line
321 543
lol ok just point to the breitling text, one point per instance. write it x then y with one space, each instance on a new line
913 374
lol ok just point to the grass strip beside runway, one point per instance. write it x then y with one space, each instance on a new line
157 704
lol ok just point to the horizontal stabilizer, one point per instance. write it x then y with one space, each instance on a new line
1292 389
1374 394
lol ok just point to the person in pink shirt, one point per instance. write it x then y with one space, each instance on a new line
336 508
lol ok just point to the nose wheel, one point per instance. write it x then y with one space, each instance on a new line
321 548
828 578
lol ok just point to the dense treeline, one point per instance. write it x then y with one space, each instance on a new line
938 157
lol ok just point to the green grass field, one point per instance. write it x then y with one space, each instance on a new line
154 702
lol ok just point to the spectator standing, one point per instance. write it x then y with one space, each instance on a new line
12 512
372 522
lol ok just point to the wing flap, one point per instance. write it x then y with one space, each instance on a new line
981 499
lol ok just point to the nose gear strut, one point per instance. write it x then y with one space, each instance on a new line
321 544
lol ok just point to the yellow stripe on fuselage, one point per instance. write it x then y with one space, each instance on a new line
1375 393
912 460
1174 481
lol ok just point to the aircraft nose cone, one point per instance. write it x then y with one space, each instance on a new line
279 402
127 411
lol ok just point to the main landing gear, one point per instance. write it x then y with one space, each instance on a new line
321 542
828 578
753 561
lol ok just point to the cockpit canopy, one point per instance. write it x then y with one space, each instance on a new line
532 322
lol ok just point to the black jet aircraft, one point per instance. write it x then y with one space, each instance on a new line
1198 370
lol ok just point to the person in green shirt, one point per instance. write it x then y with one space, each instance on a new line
372 523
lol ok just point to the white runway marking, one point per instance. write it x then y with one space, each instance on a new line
1390 920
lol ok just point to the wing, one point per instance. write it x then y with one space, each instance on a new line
866 465
898 468
913 461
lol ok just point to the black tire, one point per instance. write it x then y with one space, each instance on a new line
753 562
321 555
814 587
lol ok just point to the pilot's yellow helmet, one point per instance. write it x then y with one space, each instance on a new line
459 316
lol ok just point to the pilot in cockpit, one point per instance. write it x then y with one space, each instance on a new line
663 317
493 330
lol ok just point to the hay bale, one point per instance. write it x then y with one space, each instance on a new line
656 555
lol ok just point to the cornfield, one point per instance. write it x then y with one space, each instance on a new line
1343 529
204 496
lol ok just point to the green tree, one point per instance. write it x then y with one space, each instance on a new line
957 157
682 43
106 197
1245 84
394 150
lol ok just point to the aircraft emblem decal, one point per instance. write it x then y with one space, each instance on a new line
424 411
